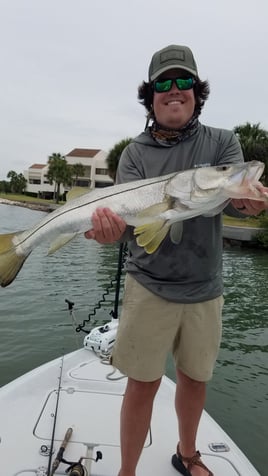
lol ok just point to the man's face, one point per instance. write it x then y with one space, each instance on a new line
174 108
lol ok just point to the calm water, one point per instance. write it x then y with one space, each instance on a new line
35 325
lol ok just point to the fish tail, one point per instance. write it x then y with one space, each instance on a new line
151 235
10 261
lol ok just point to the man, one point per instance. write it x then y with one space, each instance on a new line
173 297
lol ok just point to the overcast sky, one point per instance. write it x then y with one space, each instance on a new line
70 68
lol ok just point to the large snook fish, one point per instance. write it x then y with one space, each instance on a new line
153 206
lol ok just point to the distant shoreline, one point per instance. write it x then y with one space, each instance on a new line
41 207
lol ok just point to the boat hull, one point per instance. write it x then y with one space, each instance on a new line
81 392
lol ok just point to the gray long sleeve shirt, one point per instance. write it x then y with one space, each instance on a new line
190 271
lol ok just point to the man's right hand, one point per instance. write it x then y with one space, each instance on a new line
108 227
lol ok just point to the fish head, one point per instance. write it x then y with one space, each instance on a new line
215 183
236 180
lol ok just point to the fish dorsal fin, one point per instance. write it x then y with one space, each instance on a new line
60 241
76 192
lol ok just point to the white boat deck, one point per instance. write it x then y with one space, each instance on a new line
90 403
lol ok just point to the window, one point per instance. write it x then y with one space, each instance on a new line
101 172
35 181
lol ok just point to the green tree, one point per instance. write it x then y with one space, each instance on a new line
114 155
77 170
21 183
5 186
58 172
18 182
12 175
254 143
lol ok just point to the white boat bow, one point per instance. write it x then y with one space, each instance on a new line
80 393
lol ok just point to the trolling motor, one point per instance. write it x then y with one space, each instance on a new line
70 304
102 338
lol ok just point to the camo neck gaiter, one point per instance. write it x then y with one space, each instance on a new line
168 137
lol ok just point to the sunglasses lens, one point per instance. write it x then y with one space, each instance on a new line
163 86
184 83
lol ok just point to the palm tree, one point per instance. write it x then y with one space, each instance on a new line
78 170
12 175
254 143
18 182
58 172
114 155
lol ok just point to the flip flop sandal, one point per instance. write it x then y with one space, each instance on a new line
177 461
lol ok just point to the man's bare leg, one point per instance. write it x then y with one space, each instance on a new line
189 403
136 415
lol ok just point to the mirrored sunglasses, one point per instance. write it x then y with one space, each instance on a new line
165 85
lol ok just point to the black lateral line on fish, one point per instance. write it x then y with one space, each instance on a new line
158 180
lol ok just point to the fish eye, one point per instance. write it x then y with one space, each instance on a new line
223 168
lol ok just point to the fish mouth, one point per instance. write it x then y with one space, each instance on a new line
255 170
249 171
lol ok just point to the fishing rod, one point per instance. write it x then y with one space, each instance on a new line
59 457
77 468
50 471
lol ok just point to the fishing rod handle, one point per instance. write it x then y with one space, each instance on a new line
67 436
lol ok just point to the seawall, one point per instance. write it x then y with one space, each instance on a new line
42 207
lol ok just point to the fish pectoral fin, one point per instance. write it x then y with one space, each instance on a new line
150 236
60 241
10 261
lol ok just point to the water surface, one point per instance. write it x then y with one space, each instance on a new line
35 325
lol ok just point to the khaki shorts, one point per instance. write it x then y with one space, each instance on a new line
150 327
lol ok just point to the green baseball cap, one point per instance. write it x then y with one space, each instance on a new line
173 56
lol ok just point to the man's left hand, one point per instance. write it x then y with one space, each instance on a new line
251 207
